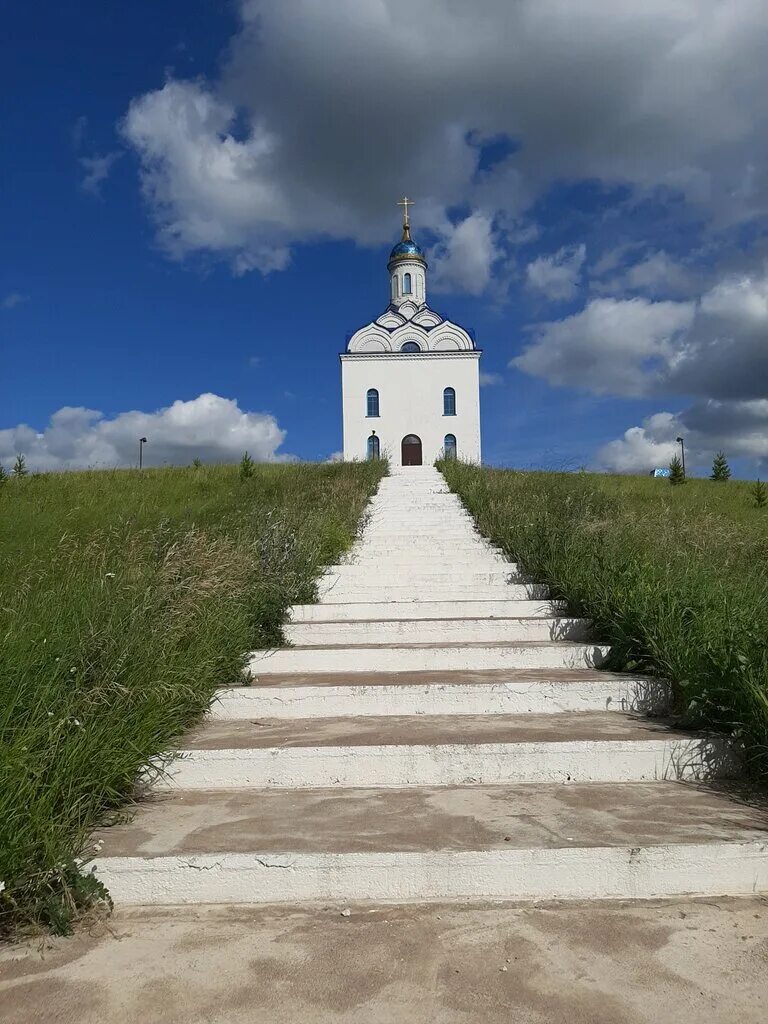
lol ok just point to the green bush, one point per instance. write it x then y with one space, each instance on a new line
674 580
126 598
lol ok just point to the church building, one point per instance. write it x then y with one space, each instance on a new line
410 379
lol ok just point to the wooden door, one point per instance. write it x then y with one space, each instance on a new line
411 448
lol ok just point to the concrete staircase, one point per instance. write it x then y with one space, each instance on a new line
437 730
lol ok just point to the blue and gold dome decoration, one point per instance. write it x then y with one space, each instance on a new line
406 249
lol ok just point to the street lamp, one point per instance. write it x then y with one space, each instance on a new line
681 442
142 442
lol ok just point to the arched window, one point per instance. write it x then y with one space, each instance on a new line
410 346
449 402
406 284
449 446
373 447
372 402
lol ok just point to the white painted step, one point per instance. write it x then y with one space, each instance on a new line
333 590
434 751
379 611
494 692
525 842
427 658
394 631
440 577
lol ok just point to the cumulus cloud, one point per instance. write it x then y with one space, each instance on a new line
738 428
323 113
208 427
612 346
13 299
655 274
489 380
557 276
465 256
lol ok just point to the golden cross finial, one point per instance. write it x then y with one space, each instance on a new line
405 202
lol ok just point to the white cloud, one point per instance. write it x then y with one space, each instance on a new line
13 299
740 429
489 380
209 427
97 169
302 136
655 274
465 256
612 346
643 448
557 276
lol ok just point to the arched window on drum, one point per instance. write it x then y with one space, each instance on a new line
449 446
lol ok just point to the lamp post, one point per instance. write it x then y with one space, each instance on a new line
142 442
681 442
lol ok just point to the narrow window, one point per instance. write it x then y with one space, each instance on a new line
372 402
410 346
449 446
406 284
449 403
373 447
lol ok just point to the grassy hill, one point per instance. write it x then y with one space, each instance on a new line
126 597
676 578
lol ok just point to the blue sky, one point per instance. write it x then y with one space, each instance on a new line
199 199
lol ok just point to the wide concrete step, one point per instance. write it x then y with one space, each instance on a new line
493 692
334 590
380 612
396 631
440 576
427 657
594 841
446 750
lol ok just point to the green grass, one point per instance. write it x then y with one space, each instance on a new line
674 578
126 597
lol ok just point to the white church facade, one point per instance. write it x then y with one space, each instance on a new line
410 379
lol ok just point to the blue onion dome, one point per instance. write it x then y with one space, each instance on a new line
406 249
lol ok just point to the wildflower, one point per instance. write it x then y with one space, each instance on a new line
109 576
76 721
2 886
50 714
73 669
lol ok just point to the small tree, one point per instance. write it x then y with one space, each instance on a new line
196 464
20 466
760 494
247 466
720 468
3 475
676 474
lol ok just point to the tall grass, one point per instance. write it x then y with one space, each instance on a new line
125 599
674 578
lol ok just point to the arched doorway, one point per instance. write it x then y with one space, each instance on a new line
411 449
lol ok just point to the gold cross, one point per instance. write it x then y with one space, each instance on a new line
405 202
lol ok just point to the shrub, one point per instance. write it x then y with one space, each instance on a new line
247 467
20 466
760 494
676 474
721 471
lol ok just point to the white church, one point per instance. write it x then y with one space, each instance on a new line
410 379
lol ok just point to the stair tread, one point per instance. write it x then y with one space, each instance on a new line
481 818
449 677
441 646
430 730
